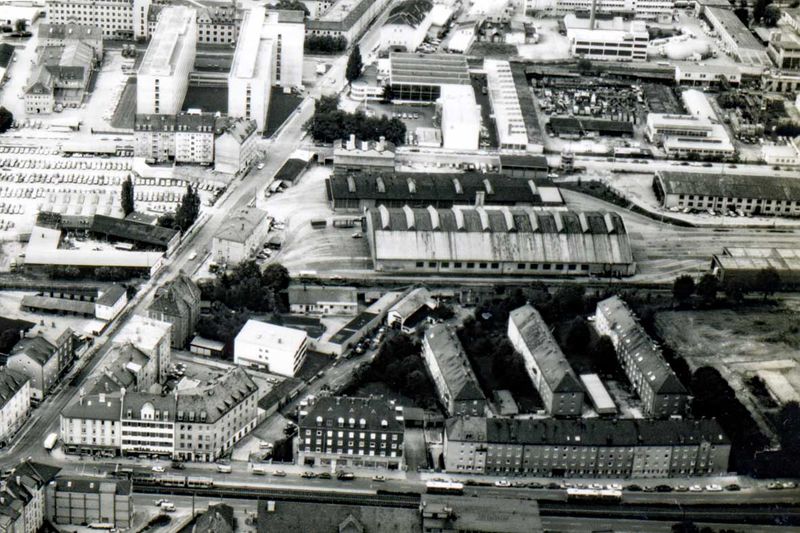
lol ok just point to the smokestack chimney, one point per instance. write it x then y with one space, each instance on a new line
351 144
591 14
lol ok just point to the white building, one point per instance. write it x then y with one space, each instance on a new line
277 349
235 147
346 18
148 424
661 10
463 35
511 130
118 18
240 235
194 138
782 154
685 135
250 78
110 302
612 40
152 338
311 299
406 26
15 402
461 118
92 423
287 30
163 76
706 75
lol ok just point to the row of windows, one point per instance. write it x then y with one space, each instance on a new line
572 267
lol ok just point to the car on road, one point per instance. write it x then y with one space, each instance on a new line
502 483
308 475
158 469
378 478
614 486
681 488
177 466
775 485
733 487
324 475
160 501
695 488
634 488
279 473
224 469
663 488
789 485
345 476
713 488
357 235
260 166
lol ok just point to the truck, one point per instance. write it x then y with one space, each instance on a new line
50 441
259 470
168 507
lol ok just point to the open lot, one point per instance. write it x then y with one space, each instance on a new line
125 111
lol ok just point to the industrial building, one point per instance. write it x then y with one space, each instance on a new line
163 75
498 240
354 155
591 447
736 37
751 194
707 75
406 26
250 77
524 166
277 349
611 40
455 381
659 389
689 135
545 363
339 431
460 118
744 264
512 134
601 401
441 190
324 301
420 77
658 10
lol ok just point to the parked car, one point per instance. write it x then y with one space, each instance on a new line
502 483
324 475
158 469
713 488
695 488
279 473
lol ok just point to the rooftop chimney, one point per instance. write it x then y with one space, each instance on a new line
351 144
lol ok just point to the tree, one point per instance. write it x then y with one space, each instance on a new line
708 287
742 13
327 104
683 288
604 355
127 196
276 277
735 290
354 65
189 209
577 335
759 9
771 16
20 25
767 281
584 66
6 119
293 5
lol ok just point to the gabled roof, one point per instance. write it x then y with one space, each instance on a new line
409 13
217 519
177 297
344 411
38 349
217 399
453 364
238 226
11 382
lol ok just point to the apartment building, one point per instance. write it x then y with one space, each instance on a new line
241 235
611 40
61 76
163 75
116 18
92 424
178 303
78 500
661 392
235 147
550 373
455 381
586 448
194 138
250 77
152 338
60 34
42 361
22 497
345 18
217 22
15 402
277 349
148 425
287 30
358 432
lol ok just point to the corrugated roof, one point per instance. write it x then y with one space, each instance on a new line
781 259
48 303
542 346
428 69
409 13
458 376
730 185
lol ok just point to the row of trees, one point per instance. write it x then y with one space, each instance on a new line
6 119
246 287
767 281
329 123
764 12
324 44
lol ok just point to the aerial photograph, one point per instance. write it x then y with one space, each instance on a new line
399 266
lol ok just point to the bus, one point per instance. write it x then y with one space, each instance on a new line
594 495
101 525
50 441
444 487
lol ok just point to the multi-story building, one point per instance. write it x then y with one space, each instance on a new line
658 387
363 156
611 40
116 18
661 10
406 26
345 18
92 424
784 48
288 31
277 349
235 147
78 500
514 131
735 38
15 402
177 303
194 138
551 374
154 137
707 75
22 497
163 75
250 77
241 235
343 431
148 424
586 448
61 76
60 34
217 22
42 361
152 338
455 381
685 135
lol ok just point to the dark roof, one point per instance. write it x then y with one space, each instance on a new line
540 343
420 188
290 16
730 185
453 364
87 484
154 122
280 392
319 518
291 169
428 69
91 408
352 327
70 31
374 412
582 125
485 514
133 231
133 402
48 303
217 519
645 355
177 298
37 348
313 294
217 399
354 13
11 382
409 13
6 51
525 98
195 122
111 295
535 162
585 432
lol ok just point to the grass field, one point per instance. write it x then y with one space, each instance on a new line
125 114
280 107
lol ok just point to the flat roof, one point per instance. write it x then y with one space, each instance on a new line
734 27
598 393
428 69
171 32
781 259
202 342
508 116
264 333
251 47
729 185
48 303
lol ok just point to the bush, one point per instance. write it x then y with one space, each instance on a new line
329 123
324 44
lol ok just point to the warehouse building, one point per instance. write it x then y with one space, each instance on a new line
743 264
547 367
611 40
589 447
364 190
598 394
758 195
689 135
406 26
461 118
498 240
736 37
524 166
354 155
420 77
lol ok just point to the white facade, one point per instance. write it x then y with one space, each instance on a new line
278 349
241 235
152 337
148 430
642 9
195 147
163 76
236 147
461 118
108 309
92 423
287 30
250 78
782 154
117 18
612 40
405 35
17 406
684 135
512 135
